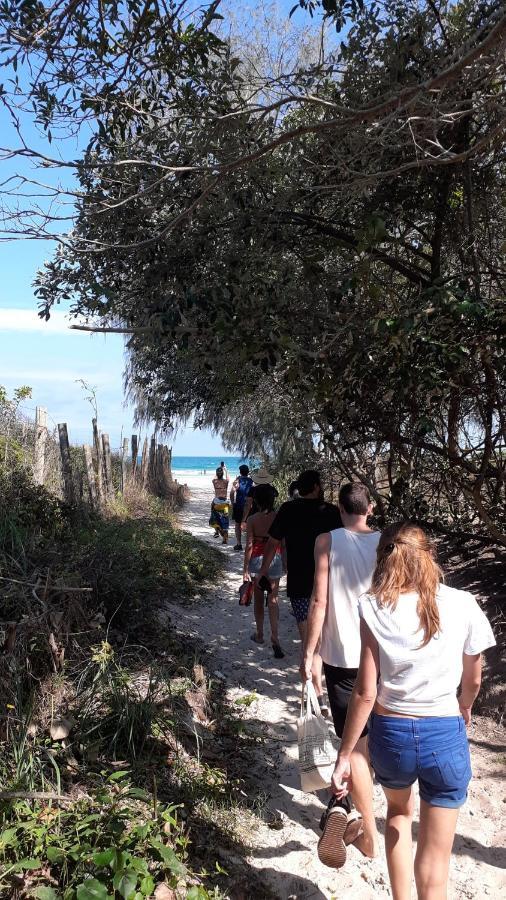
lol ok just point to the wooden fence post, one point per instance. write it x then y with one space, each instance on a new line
40 445
169 462
158 488
144 462
152 463
66 464
135 454
167 474
106 450
124 455
91 475
99 463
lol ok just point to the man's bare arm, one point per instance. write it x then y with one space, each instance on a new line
247 508
318 605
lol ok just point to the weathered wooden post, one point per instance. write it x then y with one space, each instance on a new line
135 454
124 455
169 461
166 477
91 476
40 445
144 462
99 463
152 464
106 450
159 471
66 463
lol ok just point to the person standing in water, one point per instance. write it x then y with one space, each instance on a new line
220 508
257 535
421 641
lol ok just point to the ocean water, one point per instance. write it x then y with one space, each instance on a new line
196 465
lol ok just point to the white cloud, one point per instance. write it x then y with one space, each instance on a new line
28 320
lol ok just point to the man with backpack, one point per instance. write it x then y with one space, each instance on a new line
238 495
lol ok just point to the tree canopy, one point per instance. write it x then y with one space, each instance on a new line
331 235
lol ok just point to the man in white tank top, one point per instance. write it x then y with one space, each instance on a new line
344 563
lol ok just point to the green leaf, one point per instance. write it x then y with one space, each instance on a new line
139 794
196 893
169 857
147 885
103 857
125 883
44 893
55 854
139 865
117 776
28 864
92 889
8 838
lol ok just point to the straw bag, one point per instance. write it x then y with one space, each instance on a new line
318 743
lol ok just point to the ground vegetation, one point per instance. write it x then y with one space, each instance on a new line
113 765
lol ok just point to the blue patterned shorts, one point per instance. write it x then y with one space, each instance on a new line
300 606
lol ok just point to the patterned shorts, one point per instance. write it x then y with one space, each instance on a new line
300 606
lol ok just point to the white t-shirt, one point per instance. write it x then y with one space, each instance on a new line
351 563
423 681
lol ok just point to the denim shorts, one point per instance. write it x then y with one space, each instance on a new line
275 570
433 751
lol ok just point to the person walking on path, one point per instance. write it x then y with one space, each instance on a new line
258 477
422 640
257 536
239 493
219 519
344 563
298 523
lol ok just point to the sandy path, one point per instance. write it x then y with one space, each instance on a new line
287 857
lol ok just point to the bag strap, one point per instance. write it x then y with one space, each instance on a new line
312 705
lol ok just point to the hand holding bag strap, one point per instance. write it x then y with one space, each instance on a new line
312 705
313 700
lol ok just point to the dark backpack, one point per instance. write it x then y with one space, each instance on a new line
243 488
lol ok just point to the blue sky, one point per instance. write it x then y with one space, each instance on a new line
49 357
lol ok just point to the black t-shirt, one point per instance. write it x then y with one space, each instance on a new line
299 522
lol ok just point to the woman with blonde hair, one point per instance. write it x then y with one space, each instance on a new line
421 640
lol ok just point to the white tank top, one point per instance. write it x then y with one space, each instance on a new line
351 564
423 681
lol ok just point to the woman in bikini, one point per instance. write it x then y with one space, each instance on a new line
220 507
257 535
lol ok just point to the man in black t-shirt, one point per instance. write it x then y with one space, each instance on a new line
298 523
